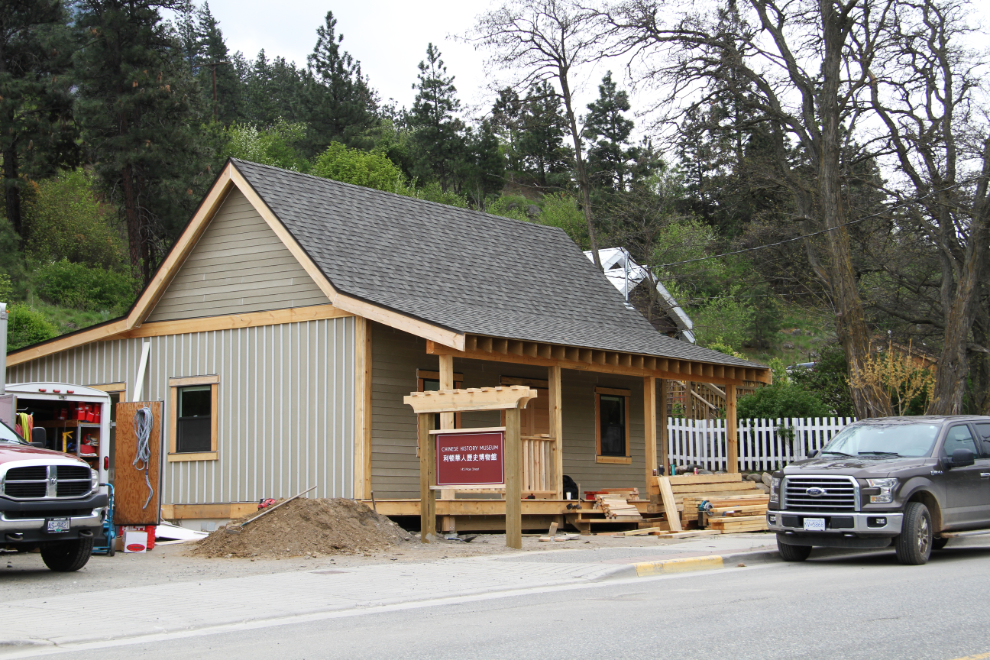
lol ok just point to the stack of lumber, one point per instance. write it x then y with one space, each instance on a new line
741 513
690 490
615 507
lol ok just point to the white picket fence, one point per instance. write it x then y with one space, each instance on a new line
763 444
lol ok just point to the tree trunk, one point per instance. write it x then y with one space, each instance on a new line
12 190
133 220
582 173
850 320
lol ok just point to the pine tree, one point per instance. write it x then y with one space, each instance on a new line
340 100
437 132
275 89
543 128
608 132
485 166
137 106
506 122
39 134
218 75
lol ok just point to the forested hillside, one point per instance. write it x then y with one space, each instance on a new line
809 182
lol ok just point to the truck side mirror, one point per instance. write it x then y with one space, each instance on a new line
39 437
962 458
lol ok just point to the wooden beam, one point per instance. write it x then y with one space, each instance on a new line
362 413
669 504
433 348
427 479
235 321
102 332
664 438
446 384
556 429
513 480
471 399
732 429
650 425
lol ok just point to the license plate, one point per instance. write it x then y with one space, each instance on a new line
56 525
814 524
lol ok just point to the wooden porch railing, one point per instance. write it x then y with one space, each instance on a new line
538 462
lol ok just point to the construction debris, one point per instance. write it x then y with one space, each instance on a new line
312 527
728 503
616 507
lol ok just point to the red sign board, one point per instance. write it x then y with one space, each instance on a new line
470 459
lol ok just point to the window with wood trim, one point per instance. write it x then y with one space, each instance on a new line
429 381
193 409
612 426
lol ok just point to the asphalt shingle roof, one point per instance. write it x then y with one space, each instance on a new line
467 271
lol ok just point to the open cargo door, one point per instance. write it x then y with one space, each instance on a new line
7 409
131 503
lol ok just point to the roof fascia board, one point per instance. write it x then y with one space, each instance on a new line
163 277
177 256
99 333
343 301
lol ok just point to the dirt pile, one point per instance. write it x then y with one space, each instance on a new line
306 527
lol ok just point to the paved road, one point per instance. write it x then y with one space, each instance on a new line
842 606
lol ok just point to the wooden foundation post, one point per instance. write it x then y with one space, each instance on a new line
556 430
650 425
664 436
513 480
731 429
427 479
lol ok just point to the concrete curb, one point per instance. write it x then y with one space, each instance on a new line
691 564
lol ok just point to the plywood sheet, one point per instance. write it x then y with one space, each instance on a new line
130 488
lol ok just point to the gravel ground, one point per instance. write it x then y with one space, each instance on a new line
25 576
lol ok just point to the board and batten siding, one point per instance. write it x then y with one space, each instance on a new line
394 466
286 404
238 266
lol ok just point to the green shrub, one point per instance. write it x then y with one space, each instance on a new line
362 168
26 326
77 285
64 220
782 400
562 210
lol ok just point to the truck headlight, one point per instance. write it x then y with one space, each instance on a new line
94 480
775 489
886 487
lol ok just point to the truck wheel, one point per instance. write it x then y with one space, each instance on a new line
914 545
67 556
793 552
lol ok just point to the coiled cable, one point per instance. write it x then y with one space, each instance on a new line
143 422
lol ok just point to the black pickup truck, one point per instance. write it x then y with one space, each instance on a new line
914 482
48 500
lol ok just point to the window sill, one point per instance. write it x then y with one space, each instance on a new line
621 460
197 456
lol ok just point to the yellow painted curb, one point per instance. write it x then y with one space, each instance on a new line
678 565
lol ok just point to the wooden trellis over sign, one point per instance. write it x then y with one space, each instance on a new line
471 456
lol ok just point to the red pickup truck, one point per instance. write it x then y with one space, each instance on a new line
49 500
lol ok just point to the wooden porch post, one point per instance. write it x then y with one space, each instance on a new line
731 428
427 479
664 441
690 412
513 480
650 425
446 383
556 430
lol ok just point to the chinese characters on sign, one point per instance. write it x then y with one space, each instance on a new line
470 459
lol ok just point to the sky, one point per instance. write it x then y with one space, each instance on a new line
388 37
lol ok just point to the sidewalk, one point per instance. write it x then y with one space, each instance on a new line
137 611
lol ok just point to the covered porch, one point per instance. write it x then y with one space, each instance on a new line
597 419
